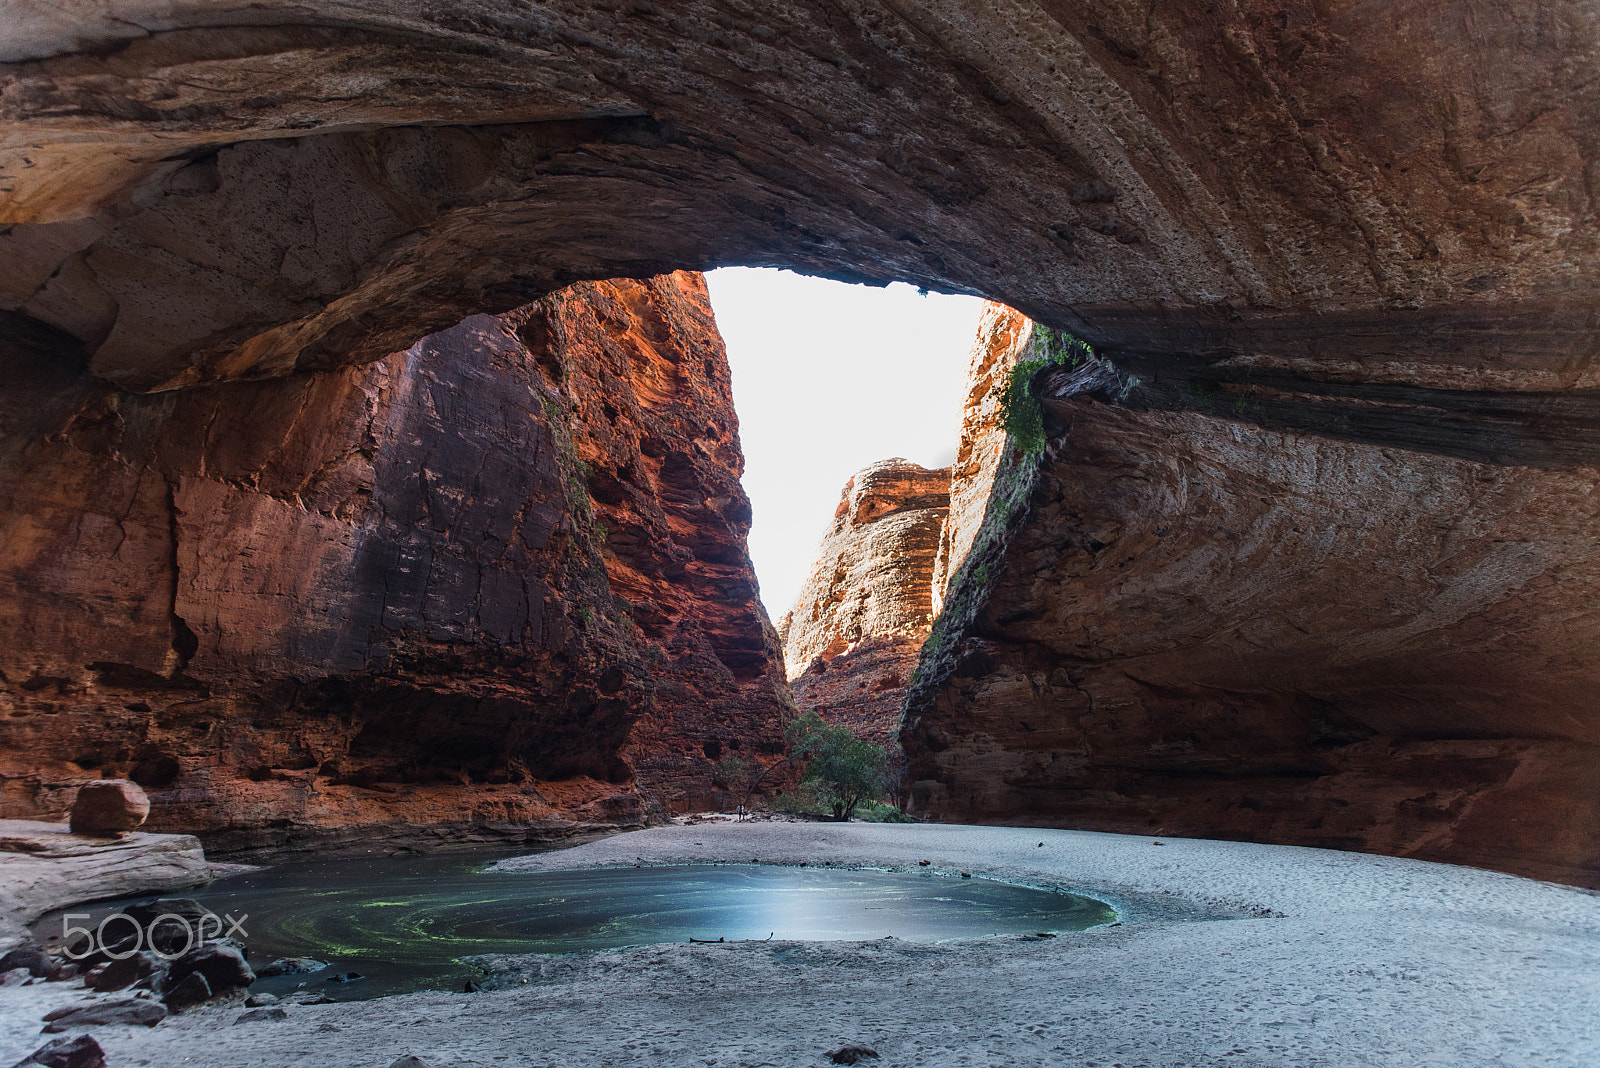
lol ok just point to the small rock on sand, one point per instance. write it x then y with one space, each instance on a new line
851 1054
408 1061
125 1011
78 1052
108 806
30 957
258 1015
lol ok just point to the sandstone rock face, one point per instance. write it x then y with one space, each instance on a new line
985 447
851 641
109 806
202 194
497 580
1196 625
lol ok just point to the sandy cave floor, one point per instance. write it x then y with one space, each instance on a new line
1314 958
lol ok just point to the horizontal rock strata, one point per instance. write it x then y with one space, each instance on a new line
496 581
852 639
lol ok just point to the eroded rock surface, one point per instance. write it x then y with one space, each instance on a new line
43 867
1189 624
202 193
852 639
497 580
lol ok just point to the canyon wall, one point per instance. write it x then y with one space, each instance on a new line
1233 606
852 639
495 583
1332 475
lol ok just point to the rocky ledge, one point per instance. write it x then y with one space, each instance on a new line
43 867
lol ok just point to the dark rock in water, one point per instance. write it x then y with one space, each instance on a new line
256 1015
126 1011
344 977
30 957
62 972
176 925
472 987
121 974
223 966
257 1001
851 1054
108 806
290 966
79 1052
189 991
184 908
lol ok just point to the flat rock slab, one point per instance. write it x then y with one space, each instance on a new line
44 867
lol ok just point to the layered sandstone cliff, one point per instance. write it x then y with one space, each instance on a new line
852 639
1253 607
495 581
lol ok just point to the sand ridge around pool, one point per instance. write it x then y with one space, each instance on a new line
1316 958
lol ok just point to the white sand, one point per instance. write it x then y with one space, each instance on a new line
1344 960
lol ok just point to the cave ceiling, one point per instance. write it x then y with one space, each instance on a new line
194 191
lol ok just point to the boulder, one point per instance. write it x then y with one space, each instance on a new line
222 966
30 957
126 971
188 992
109 806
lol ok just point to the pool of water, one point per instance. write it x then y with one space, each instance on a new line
404 922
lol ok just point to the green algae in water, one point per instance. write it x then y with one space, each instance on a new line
404 922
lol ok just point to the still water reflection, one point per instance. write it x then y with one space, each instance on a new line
404 921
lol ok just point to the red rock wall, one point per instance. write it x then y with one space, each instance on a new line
496 581
1188 624
852 639
1002 338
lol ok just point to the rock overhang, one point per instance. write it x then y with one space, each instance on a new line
199 192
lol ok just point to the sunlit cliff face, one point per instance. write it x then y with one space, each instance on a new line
1316 570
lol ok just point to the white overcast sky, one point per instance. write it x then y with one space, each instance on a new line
828 378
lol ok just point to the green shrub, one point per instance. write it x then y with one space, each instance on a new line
841 769
1023 414
878 812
